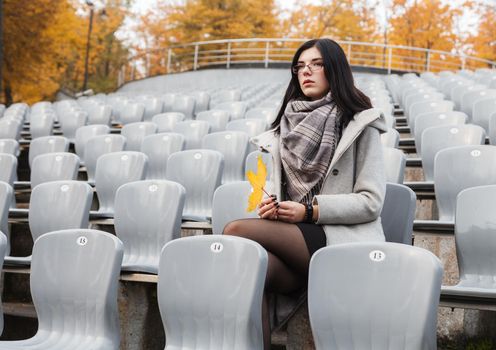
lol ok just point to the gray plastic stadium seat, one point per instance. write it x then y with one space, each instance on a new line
236 109
100 114
469 98
3 251
135 133
482 110
41 124
200 172
153 106
427 106
230 203
114 170
492 128
475 240
131 113
398 213
267 114
54 167
168 101
193 132
421 97
202 101
84 133
437 138
97 146
74 283
391 138
234 146
10 129
230 273
6 197
165 121
374 296
217 118
9 146
147 215
71 121
8 168
47 144
57 205
458 92
395 162
427 120
252 161
185 105
253 127
158 148
229 95
458 168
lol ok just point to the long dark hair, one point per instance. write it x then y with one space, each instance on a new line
338 73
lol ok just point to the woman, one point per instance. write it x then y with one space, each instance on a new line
328 173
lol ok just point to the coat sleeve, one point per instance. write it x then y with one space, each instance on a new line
364 204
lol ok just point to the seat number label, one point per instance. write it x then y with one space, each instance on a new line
216 247
377 255
82 240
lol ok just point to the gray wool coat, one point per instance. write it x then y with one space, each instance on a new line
352 194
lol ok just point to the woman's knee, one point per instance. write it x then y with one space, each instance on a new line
234 228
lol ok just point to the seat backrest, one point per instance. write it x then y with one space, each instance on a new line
10 128
375 295
135 133
458 168
428 106
252 127
97 146
395 162
147 215
482 110
267 114
492 128
475 236
8 168
458 92
236 109
429 119
84 133
47 144
230 203
59 205
158 148
74 284
185 105
100 114
165 121
193 132
234 146
391 138
54 167
131 112
229 95
398 213
200 172
470 97
6 196
217 118
114 170
71 121
153 106
230 273
437 138
202 101
252 162
41 124
423 96
9 146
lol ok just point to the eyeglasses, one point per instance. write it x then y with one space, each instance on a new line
313 67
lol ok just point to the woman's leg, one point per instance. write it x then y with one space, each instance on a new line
288 258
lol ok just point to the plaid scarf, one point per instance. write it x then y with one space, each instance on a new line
310 132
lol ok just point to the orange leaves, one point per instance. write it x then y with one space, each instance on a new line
257 181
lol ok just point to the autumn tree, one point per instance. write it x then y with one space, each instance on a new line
483 44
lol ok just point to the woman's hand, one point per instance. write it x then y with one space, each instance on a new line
268 208
291 212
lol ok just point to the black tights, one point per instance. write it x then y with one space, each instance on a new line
289 258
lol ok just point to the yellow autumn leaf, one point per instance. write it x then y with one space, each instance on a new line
257 181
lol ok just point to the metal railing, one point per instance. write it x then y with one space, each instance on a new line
265 52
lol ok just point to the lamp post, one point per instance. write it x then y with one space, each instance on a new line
90 27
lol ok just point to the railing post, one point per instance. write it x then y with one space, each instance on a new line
169 60
428 63
390 60
349 53
267 48
463 63
228 63
195 61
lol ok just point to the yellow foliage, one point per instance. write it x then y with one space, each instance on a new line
257 181
483 44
